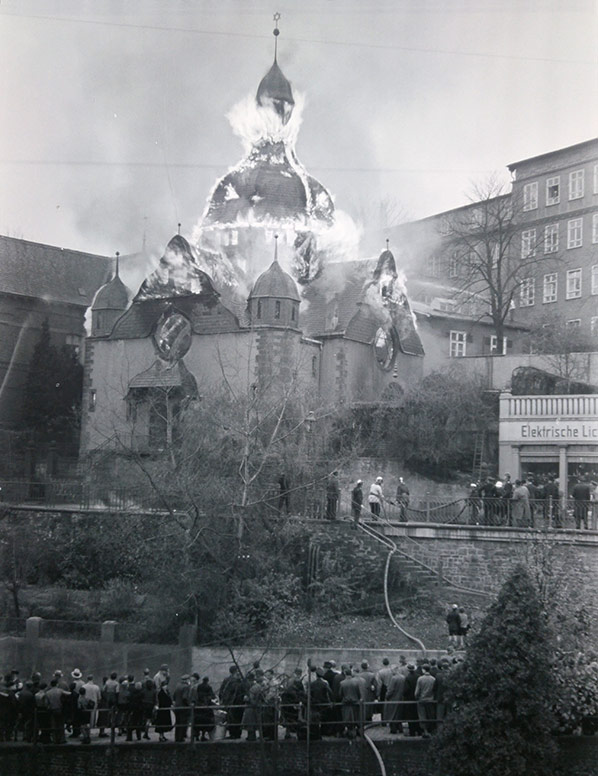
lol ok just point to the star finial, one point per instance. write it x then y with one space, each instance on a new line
276 33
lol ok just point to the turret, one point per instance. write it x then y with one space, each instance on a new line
274 299
110 302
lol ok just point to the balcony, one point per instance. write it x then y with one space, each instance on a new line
575 406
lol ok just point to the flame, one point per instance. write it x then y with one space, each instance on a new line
252 122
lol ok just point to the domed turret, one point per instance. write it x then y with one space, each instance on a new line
111 300
274 299
275 90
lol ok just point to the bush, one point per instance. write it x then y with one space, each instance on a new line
501 695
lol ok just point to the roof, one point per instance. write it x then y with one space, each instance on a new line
275 86
575 147
112 296
162 375
178 274
47 272
269 185
205 312
275 282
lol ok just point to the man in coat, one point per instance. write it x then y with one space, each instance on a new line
357 501
182 703
369 690
333 492
350 696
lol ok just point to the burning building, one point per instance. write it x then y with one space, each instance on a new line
268 284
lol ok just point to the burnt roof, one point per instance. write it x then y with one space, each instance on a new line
47 272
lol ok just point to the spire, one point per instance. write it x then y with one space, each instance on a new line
276 33
275 247
179 226
117 264
274 89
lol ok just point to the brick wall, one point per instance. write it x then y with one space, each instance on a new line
578 757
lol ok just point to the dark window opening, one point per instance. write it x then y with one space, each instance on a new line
277 310
259 308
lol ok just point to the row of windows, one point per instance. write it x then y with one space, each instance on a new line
575 323
458 344
575 189
573 285
529 237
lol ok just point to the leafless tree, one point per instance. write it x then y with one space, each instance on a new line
490 254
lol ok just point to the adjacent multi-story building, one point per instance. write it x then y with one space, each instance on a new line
557 196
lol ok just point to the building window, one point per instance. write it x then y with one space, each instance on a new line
594 276
574 323
494 345
551 238
277 310
549 293
575 233
292 311
576 184
259 309
314 366
530 196
594 326
595 228
93 398
528 243
453 266
553 190
458 343
574 283
527 292
433 266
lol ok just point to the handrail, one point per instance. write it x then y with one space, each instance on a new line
392 548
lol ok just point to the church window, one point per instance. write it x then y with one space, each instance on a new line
277 310
259 309
292 312
314 366
384 348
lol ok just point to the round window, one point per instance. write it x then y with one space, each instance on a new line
173 336
384 347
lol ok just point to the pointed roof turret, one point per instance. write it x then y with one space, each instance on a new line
275 282
113 295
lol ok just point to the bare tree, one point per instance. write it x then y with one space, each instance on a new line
490 253
564 348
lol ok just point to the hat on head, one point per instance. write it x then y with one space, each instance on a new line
327 664
455 606
76 674
379 479
360 482
333 663
185 677
58 672
146 670
411 667
163 667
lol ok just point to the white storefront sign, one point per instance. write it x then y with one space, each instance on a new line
549 431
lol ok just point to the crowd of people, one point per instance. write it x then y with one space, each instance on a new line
532 501
324 701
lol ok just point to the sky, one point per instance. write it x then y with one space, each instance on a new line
114 111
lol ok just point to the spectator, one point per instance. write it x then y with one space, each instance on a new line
582 494
163 711
57 697
376 497
350 696
204 715
392 712
426 704
83 715
231 694
94 695
454 625
369 690
463 627
182 705
410 708
357 501
148 702
402 499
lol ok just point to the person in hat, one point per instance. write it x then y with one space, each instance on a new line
161 676
182 707
454 625
402 499
376 497
357 501
410 709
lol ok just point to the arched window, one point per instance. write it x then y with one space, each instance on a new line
259 309
277 310
292 311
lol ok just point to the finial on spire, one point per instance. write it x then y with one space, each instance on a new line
387 243
275 247
276 33
179 225
117 264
